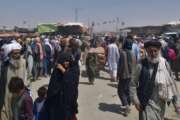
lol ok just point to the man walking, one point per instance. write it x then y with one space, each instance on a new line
152 84
126 61
113 58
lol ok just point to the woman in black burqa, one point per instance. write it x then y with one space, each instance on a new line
61 103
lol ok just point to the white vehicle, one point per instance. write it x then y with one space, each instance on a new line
174 35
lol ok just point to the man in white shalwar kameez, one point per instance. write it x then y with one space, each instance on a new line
113 59
15 66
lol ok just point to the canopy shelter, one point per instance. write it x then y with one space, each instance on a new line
72 28
9 34
46 28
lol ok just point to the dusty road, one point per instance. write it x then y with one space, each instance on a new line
100 101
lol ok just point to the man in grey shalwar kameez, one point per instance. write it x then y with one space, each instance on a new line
152 84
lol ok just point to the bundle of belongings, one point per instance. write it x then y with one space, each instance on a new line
101 55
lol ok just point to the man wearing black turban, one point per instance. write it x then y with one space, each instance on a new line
152 83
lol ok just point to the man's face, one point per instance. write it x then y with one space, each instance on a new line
68 48
16 54
37 39
153 52
178 41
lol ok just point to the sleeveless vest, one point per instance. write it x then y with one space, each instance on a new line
146 82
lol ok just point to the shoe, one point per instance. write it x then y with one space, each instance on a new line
127 109
125 114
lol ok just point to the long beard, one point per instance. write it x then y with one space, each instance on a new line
15 63
154 60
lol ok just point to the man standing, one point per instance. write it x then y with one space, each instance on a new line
113 58
48 56
91 65
38 56
14 66
135 47
29 58
152 84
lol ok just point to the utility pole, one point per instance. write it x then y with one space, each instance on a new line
92 29
76 14
117 24
24 23
4 28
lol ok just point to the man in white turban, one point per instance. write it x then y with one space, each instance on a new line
14 65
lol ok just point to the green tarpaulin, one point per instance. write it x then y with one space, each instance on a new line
46 28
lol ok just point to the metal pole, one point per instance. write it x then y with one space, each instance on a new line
76 14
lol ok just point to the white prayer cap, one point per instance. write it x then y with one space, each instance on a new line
79 42
16 46
46 40
43 36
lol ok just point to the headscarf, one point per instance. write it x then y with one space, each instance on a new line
64 56
46 42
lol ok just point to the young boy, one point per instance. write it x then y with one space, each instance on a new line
21 104
39 102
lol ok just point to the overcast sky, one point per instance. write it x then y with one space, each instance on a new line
131 12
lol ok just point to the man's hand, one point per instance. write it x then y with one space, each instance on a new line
138 107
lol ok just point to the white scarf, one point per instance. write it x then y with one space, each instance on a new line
165 81
46 42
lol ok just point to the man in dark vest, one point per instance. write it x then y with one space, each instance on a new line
152 84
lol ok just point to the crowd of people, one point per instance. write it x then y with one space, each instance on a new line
141 68
25 61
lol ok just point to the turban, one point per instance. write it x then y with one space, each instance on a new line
152 43
8 48
46 41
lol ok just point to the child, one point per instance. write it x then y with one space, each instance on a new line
21 104
39 102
